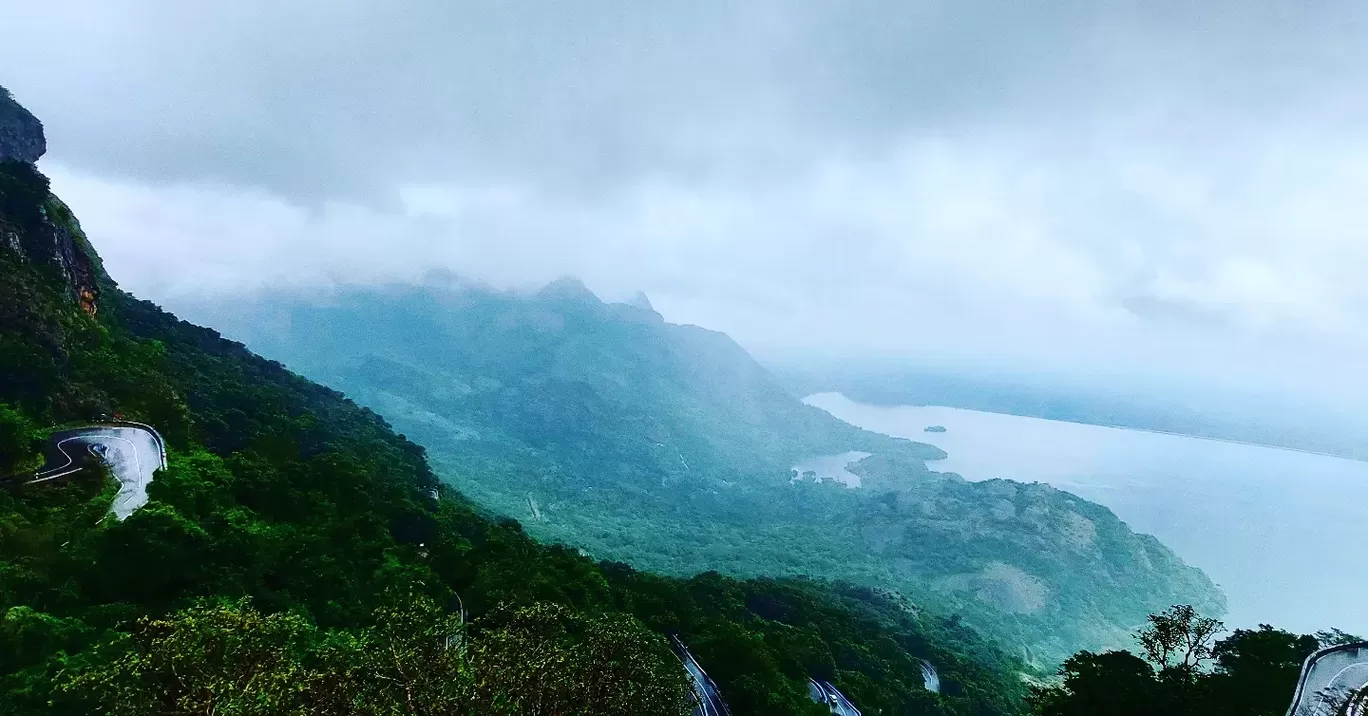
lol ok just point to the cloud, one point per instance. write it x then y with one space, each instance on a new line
1160 187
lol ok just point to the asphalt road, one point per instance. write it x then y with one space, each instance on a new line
824 693
707 700
930 679
1333 682
132 452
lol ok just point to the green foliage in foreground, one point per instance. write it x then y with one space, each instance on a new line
1185 671
19 441
285 494
230 658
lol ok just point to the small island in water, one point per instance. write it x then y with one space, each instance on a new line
936 429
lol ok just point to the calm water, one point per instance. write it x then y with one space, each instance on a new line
1282 532
832 467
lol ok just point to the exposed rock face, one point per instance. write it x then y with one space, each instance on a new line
74 256
36 226
21 134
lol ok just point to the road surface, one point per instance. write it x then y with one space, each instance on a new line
824 693
707 700
930 679
133 453
1334 682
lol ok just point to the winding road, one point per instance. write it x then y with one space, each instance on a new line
707 700
930 679
824 693
133 452
1334 682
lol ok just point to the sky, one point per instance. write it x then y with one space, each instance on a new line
1151 188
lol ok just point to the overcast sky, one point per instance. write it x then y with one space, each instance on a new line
1158 186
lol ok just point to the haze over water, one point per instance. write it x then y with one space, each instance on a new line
1281 532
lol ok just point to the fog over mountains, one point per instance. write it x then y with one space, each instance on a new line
481 339
1157 191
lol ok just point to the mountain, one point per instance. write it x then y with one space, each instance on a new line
297 556
21 134
669 447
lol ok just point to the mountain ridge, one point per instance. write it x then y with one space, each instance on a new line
669 446
296 555
21 134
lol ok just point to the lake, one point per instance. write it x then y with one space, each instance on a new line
1282 532
831 467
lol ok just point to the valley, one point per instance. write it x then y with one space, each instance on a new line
281 550
668 447
683 359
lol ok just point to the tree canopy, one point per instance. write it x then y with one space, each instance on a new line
1183 670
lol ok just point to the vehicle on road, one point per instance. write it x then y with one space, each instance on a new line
823 692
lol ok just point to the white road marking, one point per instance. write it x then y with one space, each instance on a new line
1307 701
130 487
70 460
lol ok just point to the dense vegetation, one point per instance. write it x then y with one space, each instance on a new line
668 447
294 556
1185 670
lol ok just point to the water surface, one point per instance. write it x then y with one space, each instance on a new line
1284 533
831 467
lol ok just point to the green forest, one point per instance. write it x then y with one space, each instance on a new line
667 446
294 559
298 556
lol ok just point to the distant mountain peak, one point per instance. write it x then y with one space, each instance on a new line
638 308
21 134
641 301
37 226
568 287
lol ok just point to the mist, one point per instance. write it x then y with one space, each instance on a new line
1133 191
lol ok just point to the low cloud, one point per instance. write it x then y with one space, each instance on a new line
1155 187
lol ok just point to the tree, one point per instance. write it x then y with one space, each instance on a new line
213 658
231 658
408 661
1254 673
27 636
1257 670
1336 637
1115 683
1179 638
547 659
18 439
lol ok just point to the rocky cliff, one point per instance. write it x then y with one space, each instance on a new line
36 226
21 134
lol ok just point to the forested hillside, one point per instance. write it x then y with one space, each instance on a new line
299 557
669 447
